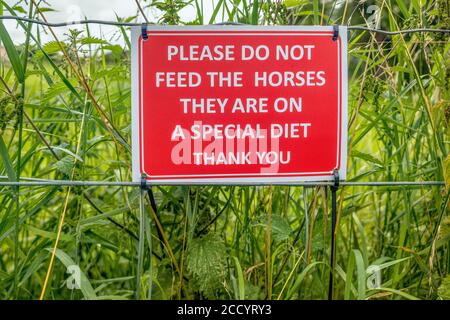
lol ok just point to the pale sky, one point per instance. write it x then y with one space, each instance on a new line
69 10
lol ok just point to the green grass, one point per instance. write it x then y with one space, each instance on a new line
65 114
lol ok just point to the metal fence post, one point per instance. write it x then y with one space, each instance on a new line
333 189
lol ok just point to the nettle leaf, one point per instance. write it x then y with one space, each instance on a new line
57 89
206 261
65 165
115 49
116 71
51 47
444 289
317 240
444 230
19 9
93 40
281 230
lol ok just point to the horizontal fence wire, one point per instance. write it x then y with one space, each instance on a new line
41 183
135 24
34 182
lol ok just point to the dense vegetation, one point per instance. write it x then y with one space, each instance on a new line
65 114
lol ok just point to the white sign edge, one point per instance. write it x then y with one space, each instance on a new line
135 126
135 168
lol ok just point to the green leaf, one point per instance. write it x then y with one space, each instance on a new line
45 9
316 12
19 9
85 285
7 161
67 151
281 230
293 3
13 55
62 77
361 274
398 292
444 289
367 157
102 218
215 12
57 89
93 40
115 49
402 6
48 234
65 165
51 47
300 278
348 278
206 261
118 72
447 171
240 279
255 12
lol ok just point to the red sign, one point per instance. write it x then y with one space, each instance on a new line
239 104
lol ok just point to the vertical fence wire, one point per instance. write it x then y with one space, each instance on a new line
148 224
333 240
140 243
305 205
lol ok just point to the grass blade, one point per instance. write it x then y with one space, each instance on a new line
12 53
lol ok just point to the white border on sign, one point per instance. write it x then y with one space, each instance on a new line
255 179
